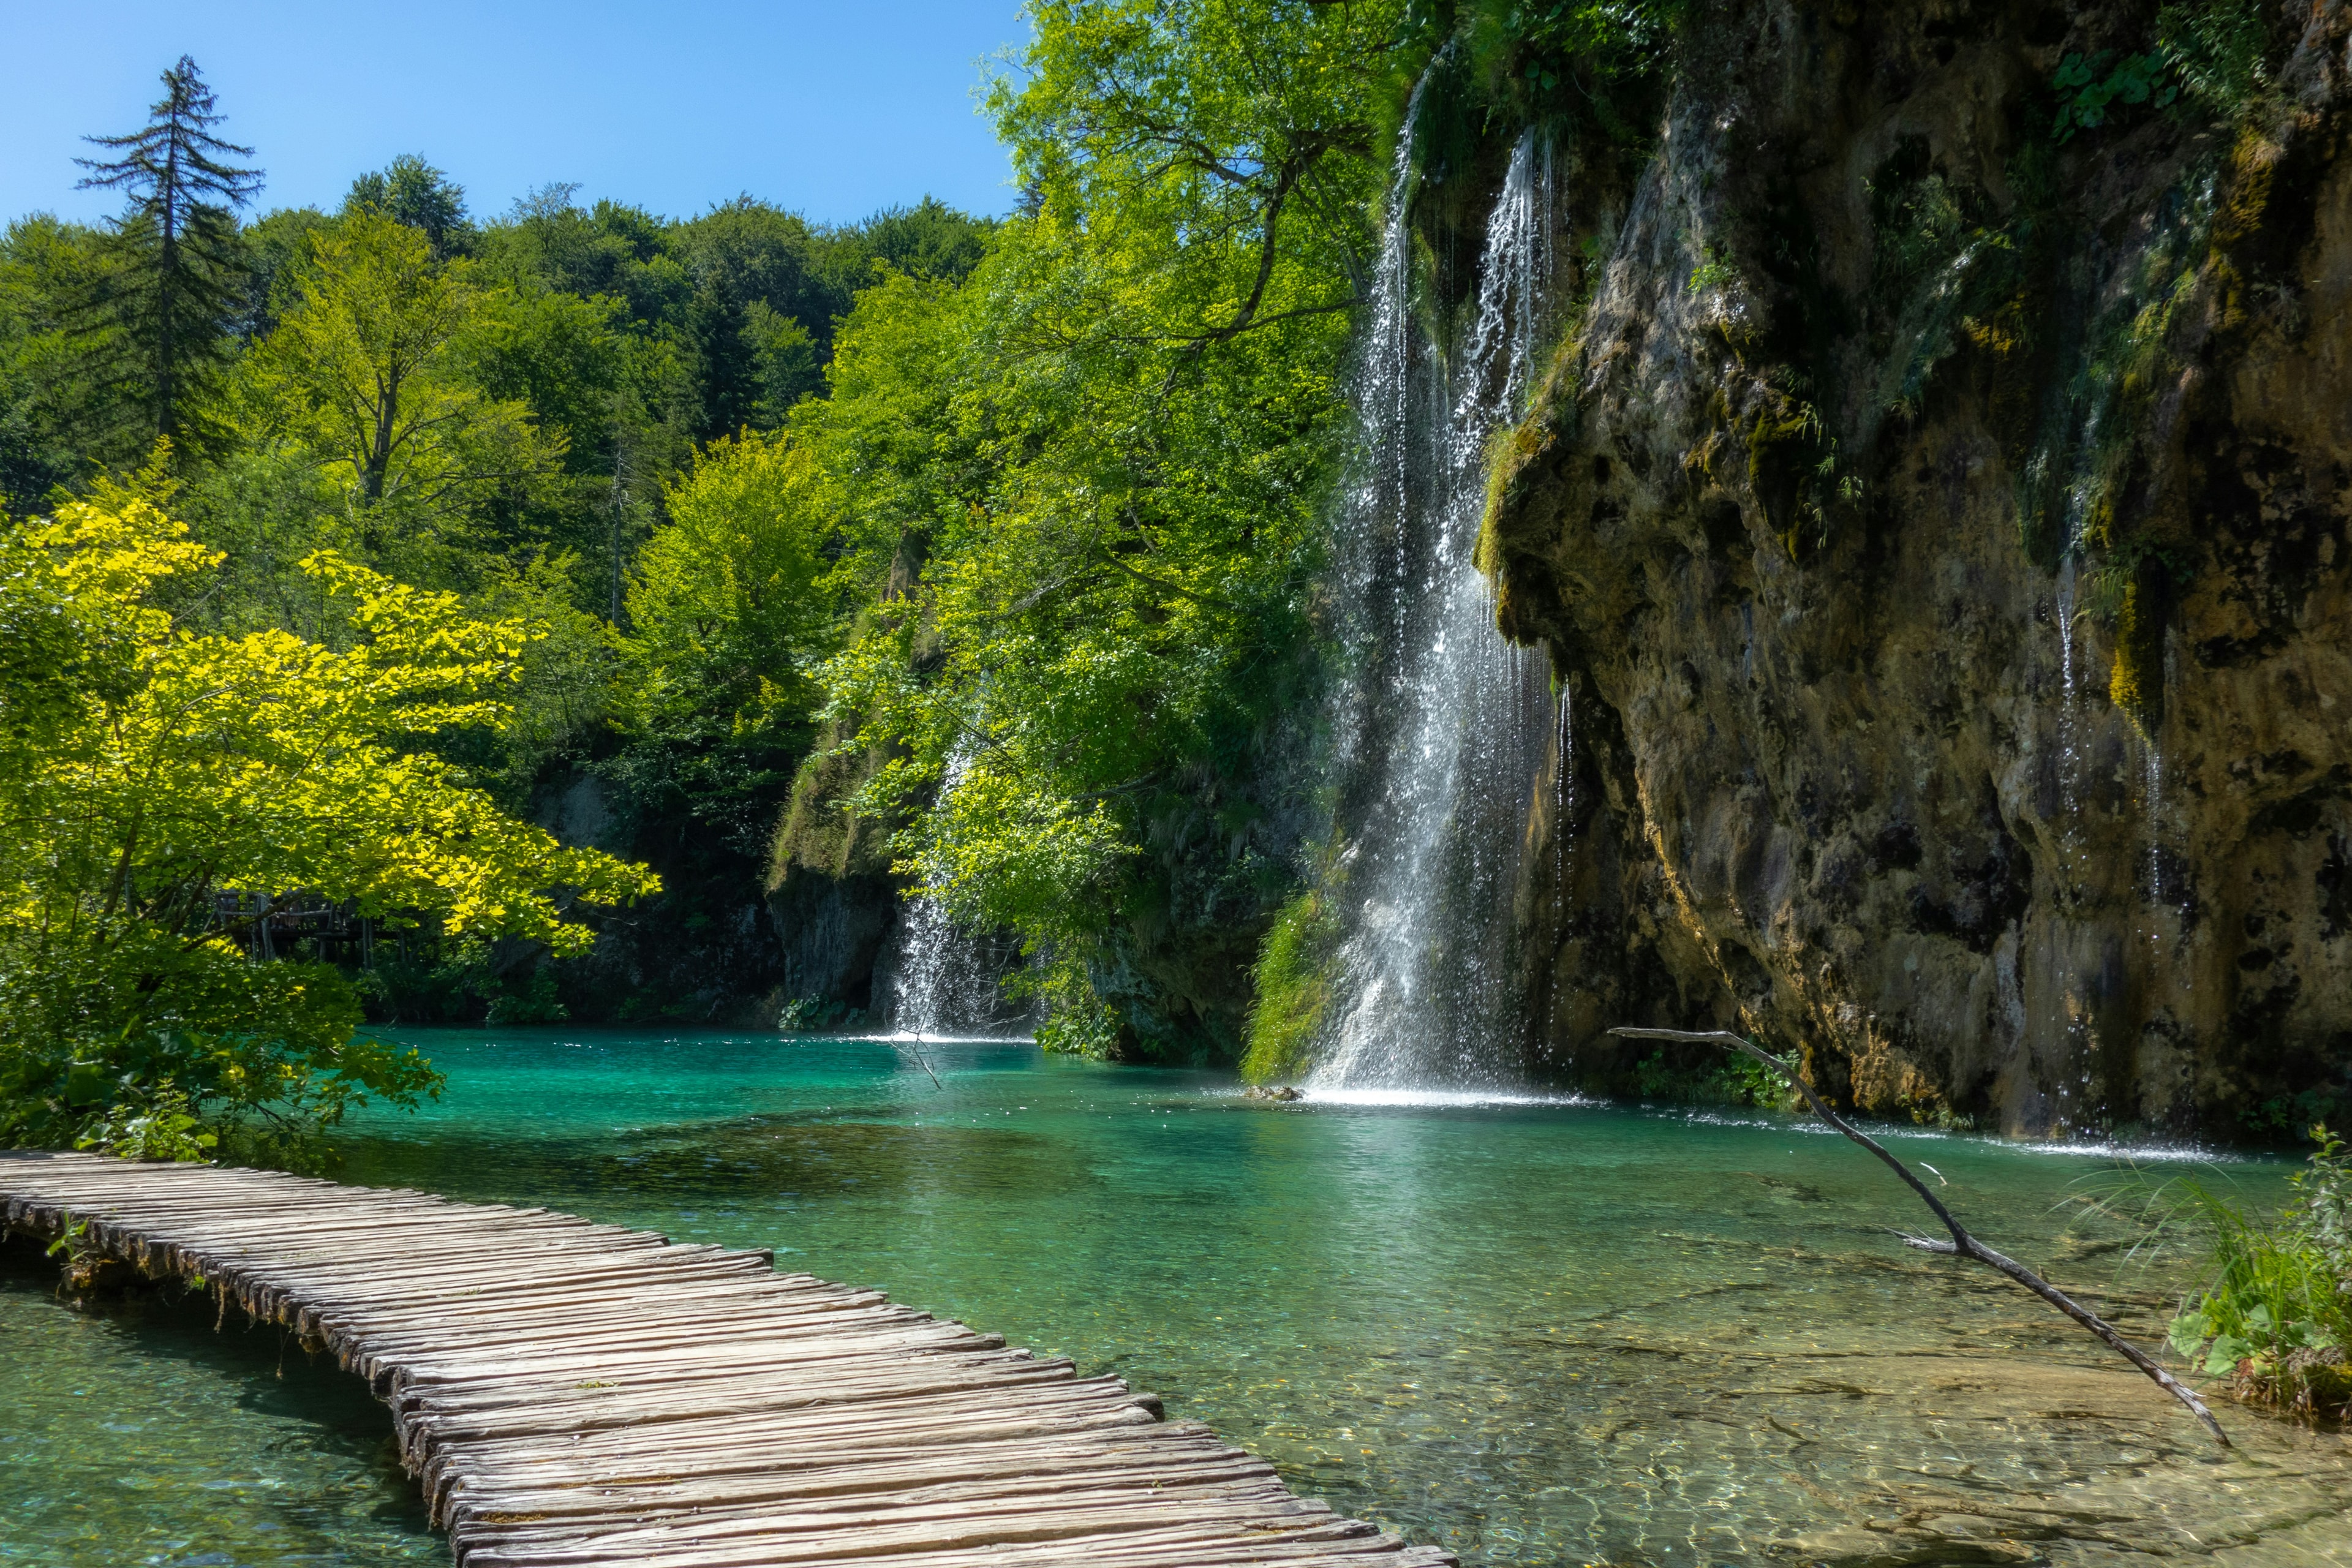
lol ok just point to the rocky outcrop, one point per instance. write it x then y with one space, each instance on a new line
702 951
830 890
1941 529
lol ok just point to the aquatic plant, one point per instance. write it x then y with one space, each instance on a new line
2275 1318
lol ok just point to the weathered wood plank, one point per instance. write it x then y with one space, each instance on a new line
572 1394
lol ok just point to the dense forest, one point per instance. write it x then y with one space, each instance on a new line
573 418
709 505
792 570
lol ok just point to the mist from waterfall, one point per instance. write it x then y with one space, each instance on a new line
1444 727
944 981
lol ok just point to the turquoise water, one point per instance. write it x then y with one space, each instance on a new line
1532 1332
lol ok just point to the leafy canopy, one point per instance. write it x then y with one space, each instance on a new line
162 790
373 373
1086 488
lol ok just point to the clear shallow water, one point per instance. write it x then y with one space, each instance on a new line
1534 1332
141 1436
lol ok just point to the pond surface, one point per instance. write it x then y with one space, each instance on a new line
1538 1332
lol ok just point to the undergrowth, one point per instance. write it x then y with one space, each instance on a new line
2274 1318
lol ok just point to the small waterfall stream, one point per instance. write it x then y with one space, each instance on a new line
944 981
2072 1064
944 984
1446 728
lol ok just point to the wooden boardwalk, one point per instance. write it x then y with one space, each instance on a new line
570 1394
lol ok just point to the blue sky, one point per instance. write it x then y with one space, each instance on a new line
830 109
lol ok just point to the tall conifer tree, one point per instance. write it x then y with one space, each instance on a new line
166 309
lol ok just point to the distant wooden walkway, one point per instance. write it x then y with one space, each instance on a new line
571 1394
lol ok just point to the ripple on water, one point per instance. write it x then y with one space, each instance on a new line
1535 1333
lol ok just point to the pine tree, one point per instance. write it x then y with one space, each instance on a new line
414 192
163 312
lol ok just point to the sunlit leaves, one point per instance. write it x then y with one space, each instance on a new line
176 783
1089 488
374 372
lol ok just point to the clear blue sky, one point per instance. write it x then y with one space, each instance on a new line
830 109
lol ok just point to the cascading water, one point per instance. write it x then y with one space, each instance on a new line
1444 729
944 984
945 981
2068 759
1563 798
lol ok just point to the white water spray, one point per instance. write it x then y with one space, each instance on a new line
945 981
1563 798
1444 731
2069 760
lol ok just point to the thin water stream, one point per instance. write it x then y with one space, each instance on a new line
1531 1329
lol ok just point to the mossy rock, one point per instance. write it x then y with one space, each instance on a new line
1295 977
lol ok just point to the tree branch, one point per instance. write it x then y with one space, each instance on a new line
1962 1244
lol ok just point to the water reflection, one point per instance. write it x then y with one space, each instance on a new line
1534 1334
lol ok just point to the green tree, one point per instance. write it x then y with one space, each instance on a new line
412 191
374 372
731 606
929 239
1134 414
164 791
57 416
162 314
277 251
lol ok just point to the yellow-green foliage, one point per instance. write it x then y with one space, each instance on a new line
1293 990
2128 687
729 596
372 375
162 787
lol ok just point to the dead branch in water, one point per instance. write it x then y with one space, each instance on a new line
925 1062
1962 1244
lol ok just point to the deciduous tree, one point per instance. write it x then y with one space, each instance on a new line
375 372
160 790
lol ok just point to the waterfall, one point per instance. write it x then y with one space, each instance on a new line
944 984
1563 798
1444 726
2069 759
944 981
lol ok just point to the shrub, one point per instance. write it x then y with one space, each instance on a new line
2277 1318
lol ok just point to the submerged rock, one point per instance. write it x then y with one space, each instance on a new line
1269 1091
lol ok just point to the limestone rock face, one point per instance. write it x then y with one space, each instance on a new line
830 888
1940 530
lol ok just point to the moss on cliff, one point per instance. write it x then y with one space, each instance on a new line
1295 983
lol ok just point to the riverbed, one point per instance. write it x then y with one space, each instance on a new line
1526 1328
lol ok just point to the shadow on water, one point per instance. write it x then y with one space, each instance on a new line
752 1157
141 1428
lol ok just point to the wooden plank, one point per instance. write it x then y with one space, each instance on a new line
572 1394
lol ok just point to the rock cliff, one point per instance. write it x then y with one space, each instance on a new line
1936 513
